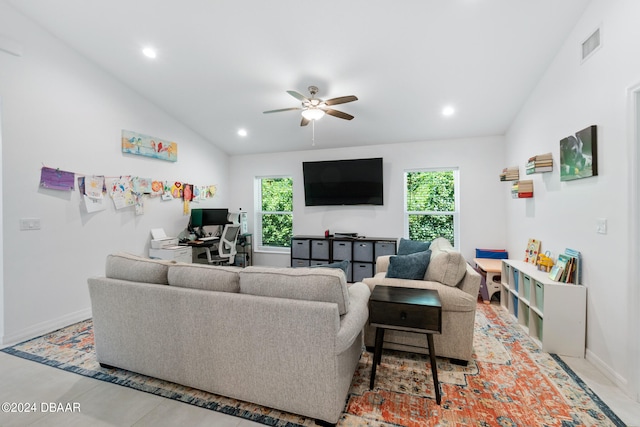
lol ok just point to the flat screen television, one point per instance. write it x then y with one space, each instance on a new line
343 182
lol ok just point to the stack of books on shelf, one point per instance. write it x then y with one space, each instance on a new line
568 269
510 174
540 163
522 189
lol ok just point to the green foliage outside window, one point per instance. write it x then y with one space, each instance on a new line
431 204
277 208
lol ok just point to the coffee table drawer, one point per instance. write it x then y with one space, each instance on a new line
404 315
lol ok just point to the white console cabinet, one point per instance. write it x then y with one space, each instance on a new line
172 253
552 313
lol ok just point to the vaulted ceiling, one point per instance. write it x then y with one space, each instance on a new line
221 63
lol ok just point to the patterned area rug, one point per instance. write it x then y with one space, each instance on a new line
509 382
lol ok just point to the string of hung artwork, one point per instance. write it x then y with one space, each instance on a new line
125 191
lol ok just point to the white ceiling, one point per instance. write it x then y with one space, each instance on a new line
221 63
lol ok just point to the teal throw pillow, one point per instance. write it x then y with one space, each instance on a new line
407 246
343 265
412 266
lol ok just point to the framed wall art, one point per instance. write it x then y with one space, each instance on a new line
149 146
579 155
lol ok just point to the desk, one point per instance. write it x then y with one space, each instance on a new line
492 269
405 309
201 244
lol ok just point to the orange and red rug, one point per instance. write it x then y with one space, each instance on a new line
509 382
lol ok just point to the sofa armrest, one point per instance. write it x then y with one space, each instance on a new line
470 283
353 322
382 263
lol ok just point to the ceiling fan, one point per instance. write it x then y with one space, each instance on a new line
315 108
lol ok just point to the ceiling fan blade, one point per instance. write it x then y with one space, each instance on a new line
281 109
341 100
304 122
297 95
339 114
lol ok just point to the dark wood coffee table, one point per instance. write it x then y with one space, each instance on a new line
405 309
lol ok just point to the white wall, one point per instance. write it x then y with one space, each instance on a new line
479 160
1 236
570 97
62 111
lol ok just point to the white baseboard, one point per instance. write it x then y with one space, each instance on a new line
44 327
620 382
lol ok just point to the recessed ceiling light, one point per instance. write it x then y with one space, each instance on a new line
149 52
448 111
242 132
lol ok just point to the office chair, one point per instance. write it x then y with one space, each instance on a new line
226 246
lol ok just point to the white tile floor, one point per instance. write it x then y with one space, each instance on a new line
104 404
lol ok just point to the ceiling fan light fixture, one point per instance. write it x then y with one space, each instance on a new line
312 113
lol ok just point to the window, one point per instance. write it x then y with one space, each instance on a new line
431 204
274 218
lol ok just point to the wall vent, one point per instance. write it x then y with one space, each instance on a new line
591 44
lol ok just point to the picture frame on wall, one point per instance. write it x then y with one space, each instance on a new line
149 146
579 155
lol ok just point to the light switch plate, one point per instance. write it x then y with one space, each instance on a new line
601 225
30 224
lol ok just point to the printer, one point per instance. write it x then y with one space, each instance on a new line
159 239
163 247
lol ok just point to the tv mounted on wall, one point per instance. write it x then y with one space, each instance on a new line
343 182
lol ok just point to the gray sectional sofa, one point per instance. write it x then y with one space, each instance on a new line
284 338
457 284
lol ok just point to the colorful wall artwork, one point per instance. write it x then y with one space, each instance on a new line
579 155
144 145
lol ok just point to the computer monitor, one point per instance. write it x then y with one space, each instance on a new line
207 217
215 216
196 218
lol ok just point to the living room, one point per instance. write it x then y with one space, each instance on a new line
70 111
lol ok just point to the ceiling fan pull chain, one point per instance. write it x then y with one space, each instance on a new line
313 133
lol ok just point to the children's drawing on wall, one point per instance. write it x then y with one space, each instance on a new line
141 185
579 155
55 179
92 189
121 192
144 145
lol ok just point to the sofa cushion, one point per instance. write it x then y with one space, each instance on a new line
447 267
125 266
412 266
342 265
406 246
207 277
304 283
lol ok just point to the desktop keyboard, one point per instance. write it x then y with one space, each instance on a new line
206 239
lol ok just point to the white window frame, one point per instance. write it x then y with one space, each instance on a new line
258 212
456 195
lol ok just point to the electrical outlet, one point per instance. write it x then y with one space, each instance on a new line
30 224
601 225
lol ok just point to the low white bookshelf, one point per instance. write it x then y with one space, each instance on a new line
552 313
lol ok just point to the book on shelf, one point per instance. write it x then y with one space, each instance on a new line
532 251
563 266
539 163
541 157
510 174
556 272
577 265
522 189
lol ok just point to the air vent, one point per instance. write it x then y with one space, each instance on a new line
591 44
